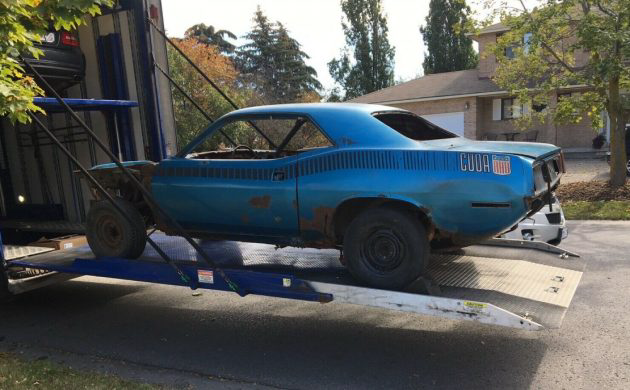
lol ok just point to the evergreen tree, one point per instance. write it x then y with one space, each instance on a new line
273 64
209 36
295 79
444 34
372 64
255 59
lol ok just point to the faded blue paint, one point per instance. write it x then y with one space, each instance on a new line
124 163
244 199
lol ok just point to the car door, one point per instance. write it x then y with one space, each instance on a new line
238 196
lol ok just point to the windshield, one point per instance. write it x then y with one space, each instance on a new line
413 127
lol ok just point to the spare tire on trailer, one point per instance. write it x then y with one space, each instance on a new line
111 234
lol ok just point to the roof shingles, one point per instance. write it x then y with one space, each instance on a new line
449 84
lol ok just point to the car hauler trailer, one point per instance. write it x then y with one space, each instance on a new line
517 286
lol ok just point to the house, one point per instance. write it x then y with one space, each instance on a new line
470 104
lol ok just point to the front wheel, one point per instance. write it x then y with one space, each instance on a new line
386 248
111 234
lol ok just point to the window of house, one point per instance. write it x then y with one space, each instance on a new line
565 95
507 108
259 139
527 39
414 127
510 51
539 107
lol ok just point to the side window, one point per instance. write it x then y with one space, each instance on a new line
414 127
308 137
265 138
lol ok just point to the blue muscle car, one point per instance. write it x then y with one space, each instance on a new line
382 184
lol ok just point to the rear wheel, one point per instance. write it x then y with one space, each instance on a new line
110 234
386 248
628 167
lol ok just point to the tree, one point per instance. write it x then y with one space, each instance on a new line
449 48
210 36
372 64
274 65
565 44
188 119
296 80
23 22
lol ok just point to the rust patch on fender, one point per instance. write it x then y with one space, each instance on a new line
260 202
245 219
321 225
322 216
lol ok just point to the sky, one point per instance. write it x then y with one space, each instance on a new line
316 24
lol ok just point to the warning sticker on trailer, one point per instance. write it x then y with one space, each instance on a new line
475 305
205 276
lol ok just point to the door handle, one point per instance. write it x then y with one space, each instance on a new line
278 175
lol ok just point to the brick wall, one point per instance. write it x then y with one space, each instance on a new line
566 136
487 61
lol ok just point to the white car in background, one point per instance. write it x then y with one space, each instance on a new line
546 225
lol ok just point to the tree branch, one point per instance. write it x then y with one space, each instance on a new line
546 46
606 10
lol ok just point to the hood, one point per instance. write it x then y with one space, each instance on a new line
127 164
528 149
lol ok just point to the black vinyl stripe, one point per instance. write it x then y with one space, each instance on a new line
341 160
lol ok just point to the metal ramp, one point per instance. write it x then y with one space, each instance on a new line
522 288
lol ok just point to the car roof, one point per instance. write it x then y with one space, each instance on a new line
347 124
315 108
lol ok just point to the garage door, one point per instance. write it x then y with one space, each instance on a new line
451 121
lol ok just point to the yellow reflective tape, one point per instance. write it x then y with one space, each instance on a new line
475 305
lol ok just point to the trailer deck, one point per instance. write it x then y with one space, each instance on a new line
517 287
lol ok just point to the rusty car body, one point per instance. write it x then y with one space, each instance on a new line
456 191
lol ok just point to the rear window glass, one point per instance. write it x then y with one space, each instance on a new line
414 127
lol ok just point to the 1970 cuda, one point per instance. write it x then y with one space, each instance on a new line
380 183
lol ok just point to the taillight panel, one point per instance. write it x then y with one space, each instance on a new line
69 39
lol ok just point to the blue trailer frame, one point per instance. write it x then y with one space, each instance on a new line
323 282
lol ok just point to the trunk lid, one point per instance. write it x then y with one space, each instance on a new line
528 149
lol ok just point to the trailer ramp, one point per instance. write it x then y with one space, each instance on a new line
521 288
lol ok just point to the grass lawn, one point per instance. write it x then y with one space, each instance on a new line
610 209
42 374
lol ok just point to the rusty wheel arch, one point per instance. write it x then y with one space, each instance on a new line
120 186
351 208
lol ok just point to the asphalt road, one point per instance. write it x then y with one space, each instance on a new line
217 340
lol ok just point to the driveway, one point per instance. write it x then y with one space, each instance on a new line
586 170
166 335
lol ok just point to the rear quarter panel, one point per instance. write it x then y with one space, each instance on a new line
439 182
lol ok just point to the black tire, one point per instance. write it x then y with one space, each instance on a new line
554 242
112 235
386 248
628 167
5 295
